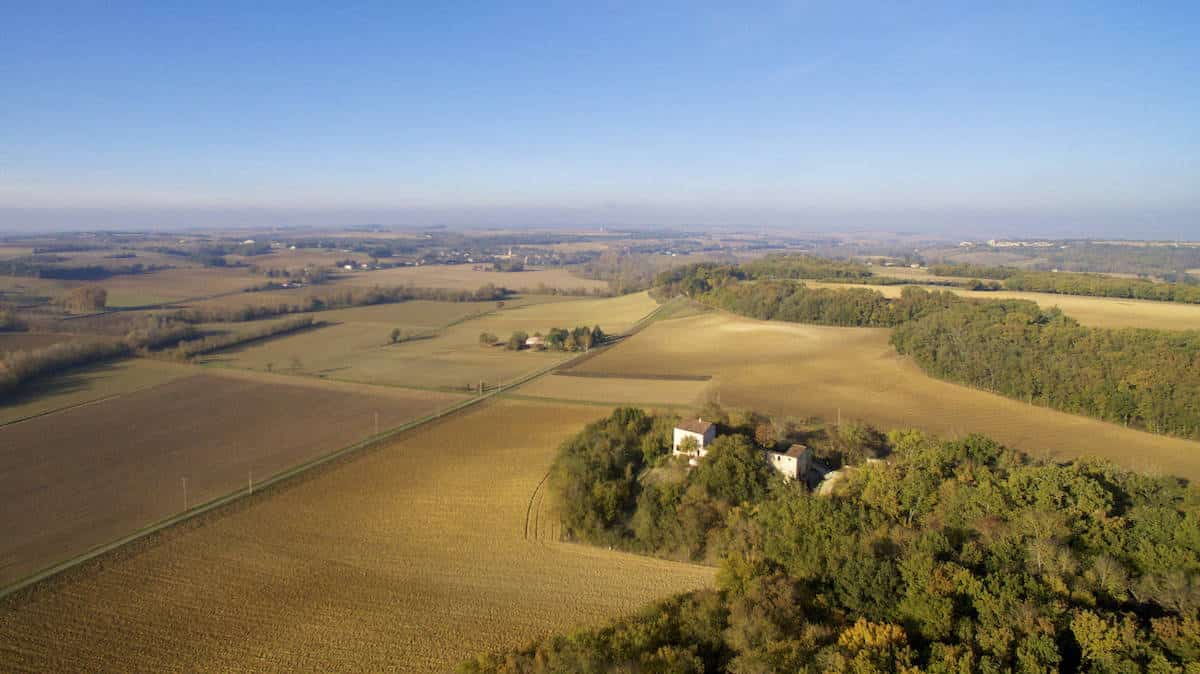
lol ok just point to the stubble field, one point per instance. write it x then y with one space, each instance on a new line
650 392
89 474
411 557
805 370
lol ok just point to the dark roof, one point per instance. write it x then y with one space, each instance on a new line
795 451
695 426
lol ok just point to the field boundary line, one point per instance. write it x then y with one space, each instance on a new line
93 401
595 403
56 410
289 473
647 377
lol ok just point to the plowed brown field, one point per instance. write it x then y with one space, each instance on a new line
411 557
87 475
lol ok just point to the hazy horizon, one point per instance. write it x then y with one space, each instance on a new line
1073 120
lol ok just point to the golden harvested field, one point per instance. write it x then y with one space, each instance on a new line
1099 312
357 348
15 251
461 276
412 557
87 475
618 390
804 370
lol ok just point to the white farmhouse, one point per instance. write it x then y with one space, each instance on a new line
701 431
794 463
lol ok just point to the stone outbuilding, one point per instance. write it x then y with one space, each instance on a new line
794 463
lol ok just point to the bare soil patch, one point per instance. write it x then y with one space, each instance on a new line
89 474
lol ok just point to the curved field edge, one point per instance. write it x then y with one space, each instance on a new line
411 554
792 369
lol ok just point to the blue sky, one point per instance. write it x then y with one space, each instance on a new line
984 117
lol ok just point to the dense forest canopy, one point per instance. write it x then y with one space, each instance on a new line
1144 378
1103 286
964 270
950 556
1067 283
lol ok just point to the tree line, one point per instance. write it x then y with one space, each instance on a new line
339 299
966 270
210 344
950 556
1068 283
1147 379
581 338
1104 286
701 277
50 267
18 368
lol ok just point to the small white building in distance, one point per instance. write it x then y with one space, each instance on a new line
703 432
794 463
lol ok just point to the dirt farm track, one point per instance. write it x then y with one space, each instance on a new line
410 557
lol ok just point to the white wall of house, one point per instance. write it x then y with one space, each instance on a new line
784 464
702 441
792 467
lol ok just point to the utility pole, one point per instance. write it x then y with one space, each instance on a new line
185 504
377 423
839 417
250 482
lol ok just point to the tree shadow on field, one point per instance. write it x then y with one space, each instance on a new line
69 382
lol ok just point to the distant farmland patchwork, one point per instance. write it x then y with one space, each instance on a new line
416 553
90 474
412 557
464 276
444 351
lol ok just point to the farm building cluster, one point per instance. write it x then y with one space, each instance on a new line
692 437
